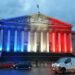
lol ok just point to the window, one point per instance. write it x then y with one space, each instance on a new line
68 60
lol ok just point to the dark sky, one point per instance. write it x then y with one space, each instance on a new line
60 9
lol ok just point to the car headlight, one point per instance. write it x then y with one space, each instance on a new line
52 65
58 65
55 64
13 65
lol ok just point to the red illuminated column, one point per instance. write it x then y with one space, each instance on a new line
53 42
59 42
65 43
69 43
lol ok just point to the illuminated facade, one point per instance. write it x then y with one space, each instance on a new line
35 33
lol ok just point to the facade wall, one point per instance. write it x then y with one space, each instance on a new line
35 34
23 41
60 42
27 41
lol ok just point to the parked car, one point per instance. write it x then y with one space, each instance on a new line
66 64
25 65
6 65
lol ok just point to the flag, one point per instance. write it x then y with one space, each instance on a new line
37 5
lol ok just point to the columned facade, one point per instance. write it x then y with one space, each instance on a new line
60 42
35 33
38 41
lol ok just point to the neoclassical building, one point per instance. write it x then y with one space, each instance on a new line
35 33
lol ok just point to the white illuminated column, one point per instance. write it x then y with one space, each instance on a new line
35 41
59 42
22 41
29 42
70 42
47 41
15 42
1 40
8 41
41 42
53 40
65 42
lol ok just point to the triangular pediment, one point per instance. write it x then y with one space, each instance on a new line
48 20
39 22
37 19
57 22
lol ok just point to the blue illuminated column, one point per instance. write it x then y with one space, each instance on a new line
1 39
8 41
15 41
22 41
19 37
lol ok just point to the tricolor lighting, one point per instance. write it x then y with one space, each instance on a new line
35 34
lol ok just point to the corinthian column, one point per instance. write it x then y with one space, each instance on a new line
8 41
15 42
59 42
29 41
41 42
22 41
1 39
35 41
53 41
65 43
47 41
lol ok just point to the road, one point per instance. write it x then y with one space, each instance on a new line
34 71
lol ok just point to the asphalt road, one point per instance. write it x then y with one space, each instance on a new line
34 71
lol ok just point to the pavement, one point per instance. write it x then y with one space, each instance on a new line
40 69
34 71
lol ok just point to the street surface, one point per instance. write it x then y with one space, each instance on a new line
34 71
